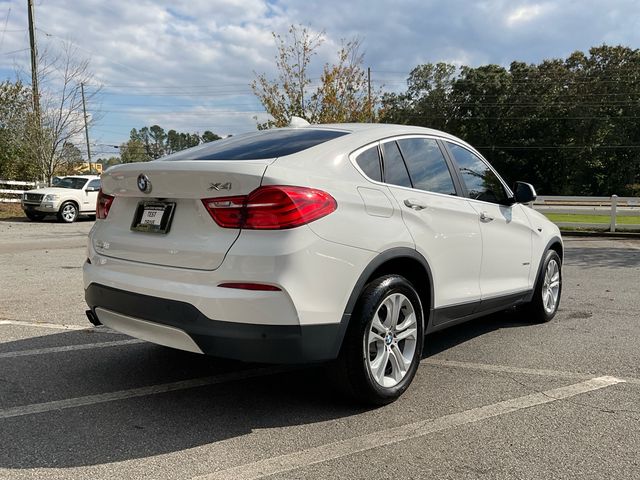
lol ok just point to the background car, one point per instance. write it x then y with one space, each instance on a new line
336 243
70 197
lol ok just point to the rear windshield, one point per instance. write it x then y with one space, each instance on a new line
258 145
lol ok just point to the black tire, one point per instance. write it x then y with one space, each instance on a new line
34 216
536 310
352 369
68 212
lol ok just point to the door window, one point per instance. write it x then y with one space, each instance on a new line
481 182
94 183
427 166
395 171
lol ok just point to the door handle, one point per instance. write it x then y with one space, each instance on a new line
484 216
414 205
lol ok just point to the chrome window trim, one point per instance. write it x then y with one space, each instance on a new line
353 155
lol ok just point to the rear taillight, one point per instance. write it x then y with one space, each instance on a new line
104 204
271 208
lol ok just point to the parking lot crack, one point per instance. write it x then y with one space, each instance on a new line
597 408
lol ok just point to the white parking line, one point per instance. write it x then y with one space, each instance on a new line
140 392
68 348
44 325
517 370
332 451
506 369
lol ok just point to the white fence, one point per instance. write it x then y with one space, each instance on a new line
11 190
612 206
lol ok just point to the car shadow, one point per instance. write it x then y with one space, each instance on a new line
157 424
148 425
450 337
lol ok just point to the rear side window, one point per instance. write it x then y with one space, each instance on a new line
395 171
369 163
427 166
481 182
258 145
94 183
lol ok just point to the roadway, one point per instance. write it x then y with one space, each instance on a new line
496 398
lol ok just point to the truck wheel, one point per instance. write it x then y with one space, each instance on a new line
68 212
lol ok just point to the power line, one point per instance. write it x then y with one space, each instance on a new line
182 112
4 30
558 147
15 51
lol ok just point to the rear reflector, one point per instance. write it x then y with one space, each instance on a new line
251 286
103 205
272 207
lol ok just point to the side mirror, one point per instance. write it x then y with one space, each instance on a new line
524 192
92 189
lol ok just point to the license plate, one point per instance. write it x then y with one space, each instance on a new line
153 217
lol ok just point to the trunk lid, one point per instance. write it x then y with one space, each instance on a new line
193 240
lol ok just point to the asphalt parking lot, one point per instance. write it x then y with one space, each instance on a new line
496 398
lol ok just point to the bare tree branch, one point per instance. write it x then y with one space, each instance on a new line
343 92
62 119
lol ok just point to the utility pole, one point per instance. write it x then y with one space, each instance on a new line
369 93
34 63
86 127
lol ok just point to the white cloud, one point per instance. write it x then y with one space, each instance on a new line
527 14
199 56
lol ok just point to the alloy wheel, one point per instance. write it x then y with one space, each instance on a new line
391 342
69 213
551 286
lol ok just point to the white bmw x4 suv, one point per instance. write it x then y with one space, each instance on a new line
340 243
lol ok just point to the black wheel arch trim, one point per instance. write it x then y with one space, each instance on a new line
377 262
554 240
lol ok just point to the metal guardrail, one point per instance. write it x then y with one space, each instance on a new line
612 206
8 195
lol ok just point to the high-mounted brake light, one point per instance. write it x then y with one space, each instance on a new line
103 205
273 207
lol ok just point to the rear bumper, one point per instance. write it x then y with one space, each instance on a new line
189 329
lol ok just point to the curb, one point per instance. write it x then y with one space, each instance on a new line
632 235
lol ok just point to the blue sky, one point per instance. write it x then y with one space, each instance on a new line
188 65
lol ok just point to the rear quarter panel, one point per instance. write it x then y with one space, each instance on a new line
377 226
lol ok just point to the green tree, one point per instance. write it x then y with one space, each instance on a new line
427 99
209 136
15 111
150 143
133 151
71 158
569 126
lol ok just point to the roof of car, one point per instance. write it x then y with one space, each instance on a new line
386 129
90 177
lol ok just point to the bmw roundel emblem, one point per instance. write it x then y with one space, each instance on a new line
144 184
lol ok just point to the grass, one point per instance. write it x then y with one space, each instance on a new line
10 210
603 219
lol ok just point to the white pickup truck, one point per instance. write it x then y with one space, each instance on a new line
72 196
